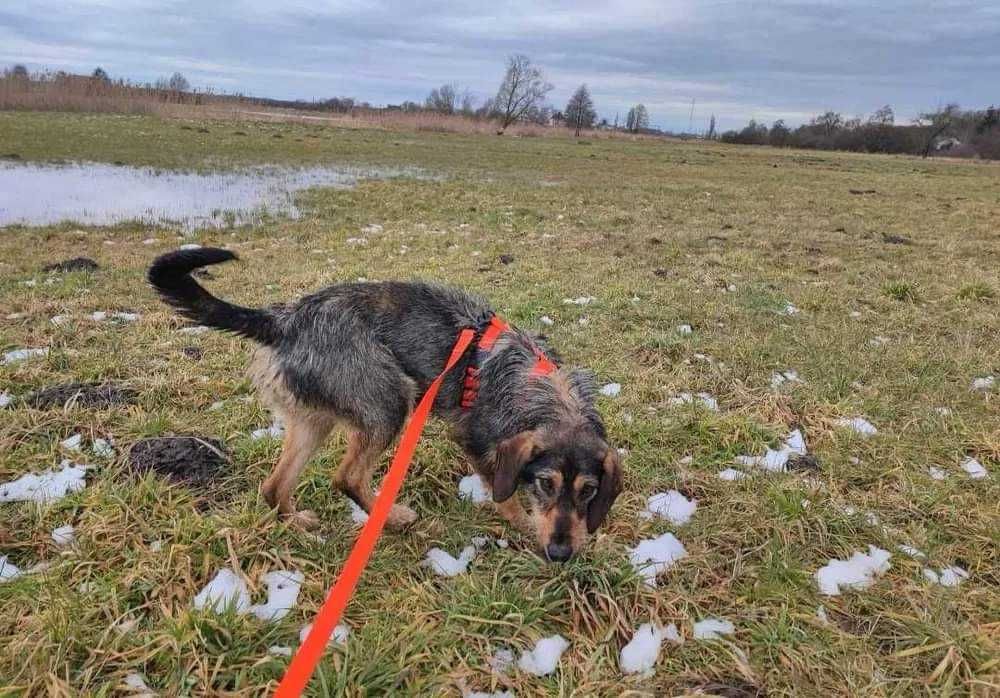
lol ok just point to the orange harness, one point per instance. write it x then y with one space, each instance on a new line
494 329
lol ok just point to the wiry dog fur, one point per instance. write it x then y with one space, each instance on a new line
358 356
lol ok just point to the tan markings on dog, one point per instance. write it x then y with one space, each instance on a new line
354 475
581 481
513 511
546 522
302 438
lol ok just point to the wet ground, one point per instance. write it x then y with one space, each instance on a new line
34 194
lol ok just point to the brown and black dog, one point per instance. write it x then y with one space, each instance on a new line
359 355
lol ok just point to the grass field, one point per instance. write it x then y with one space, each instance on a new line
898 297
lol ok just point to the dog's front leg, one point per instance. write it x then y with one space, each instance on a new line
512 510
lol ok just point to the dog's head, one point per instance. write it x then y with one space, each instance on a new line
570 475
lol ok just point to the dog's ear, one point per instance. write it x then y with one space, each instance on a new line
511 456
611 487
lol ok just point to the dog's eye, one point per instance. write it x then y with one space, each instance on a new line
587 492
545 485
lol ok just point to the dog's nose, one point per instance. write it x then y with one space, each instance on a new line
558 552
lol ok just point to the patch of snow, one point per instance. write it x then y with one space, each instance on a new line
15 355
584 321
779 378
983 384
226 589
372 229
339 636
72 443
190 246
444 565
136 684
58 320
789 309
150 241
472 489
712 629
501 661
937 473
217 405
859 425
611 389
731 475
911 551
704 399
582 300
671 505
640 654
546 320
46 486
196 329
821 614
947 577
857 572
878 341
125 317
655 555
282 593
64 535
8 570
544 658
279 651
275 431
975 469
671 634
5 399
774 461
684 329
102 448
356 241
943 411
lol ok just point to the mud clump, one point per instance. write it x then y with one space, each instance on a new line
75 264
87 395
192 460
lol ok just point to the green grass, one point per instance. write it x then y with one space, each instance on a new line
670 224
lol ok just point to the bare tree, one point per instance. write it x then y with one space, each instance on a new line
100 75
19 72
522 90
468 106
829 122
883 117
939 122
443 100
710 135
580 112
637 119
178 83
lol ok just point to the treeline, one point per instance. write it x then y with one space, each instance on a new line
950 130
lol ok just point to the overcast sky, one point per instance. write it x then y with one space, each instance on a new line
772 59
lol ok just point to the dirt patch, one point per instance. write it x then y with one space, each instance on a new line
88 395
803 463
893 239
862 192
75 264
189 459
192 353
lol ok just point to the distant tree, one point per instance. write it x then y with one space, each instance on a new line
882 117
468 104
178 83
779 133
522 90
990 120
19 71
937 122
710 135
443 100
637 119
580 112
829 122
100 75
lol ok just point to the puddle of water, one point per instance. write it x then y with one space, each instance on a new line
101 195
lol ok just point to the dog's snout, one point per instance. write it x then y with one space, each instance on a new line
558 552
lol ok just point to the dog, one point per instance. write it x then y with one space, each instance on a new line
357 356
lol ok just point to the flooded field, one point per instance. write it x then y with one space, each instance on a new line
100 194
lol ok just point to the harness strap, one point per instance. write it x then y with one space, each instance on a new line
492 332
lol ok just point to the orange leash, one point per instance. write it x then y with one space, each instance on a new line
304 662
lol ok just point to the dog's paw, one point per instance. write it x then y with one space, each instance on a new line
305 519
401 516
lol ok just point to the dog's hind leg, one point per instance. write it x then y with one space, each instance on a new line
356 470
303 435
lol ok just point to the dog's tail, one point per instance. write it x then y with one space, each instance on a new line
170 275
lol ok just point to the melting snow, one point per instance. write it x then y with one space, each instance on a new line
358 515
45 486
72 443
821 614
684 329
196 329
102 448
911 551
712 629
611 389
974 468
704 399
655 555
137 685
339 636
5 399
15 355
640 654
779 378
546 320
858 572
282 593
501 661
372 229
671 505
472 488
64 535
774 461
8 570
731 474
544 659
582 300
226 589
937 473
984 384
947 577
858 424
275 431
279 651
445 565
789 309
